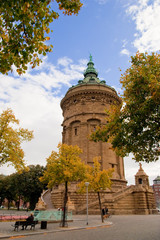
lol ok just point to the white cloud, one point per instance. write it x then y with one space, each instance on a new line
65 61
118 90
101 2
125 51
125 42
108 70
146 16
35 100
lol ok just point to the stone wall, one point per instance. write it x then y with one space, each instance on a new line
129 200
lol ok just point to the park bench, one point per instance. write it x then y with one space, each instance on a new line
24 224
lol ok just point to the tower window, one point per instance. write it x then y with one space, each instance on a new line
140 180
75 131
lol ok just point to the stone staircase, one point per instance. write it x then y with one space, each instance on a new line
106 200
46 197
120 194
128 200
57 199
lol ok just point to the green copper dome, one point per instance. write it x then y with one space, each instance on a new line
91 76
157 178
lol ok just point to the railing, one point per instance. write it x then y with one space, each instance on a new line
42 196
119 194
54 215
112 198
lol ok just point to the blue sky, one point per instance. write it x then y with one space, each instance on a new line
112 31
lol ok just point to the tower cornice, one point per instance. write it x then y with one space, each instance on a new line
86 90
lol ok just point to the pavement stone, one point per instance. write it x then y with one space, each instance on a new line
79 222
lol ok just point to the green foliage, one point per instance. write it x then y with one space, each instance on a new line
28 185
24 185
7 188
11 139
135 126
2 193
24 26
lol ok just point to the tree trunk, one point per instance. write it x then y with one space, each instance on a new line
100 206
33 203
65 203
8 204
18 202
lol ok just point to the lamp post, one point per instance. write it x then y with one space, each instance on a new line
87 184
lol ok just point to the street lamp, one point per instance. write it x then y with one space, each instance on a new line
87 184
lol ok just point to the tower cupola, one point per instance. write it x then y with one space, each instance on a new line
141 178
90 71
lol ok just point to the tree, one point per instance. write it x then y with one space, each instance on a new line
11 139
134 127
64 167
24 26
33 186
98 180
24 185
8 189
28 185
2 195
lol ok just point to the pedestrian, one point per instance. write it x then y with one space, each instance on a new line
106 210
30 218
103 211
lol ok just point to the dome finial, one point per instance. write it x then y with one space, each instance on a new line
90 58
140 166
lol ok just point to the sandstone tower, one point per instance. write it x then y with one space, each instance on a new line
83 109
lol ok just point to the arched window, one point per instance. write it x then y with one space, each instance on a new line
140 180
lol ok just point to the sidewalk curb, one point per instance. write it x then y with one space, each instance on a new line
58 230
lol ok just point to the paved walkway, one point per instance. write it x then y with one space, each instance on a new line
79 222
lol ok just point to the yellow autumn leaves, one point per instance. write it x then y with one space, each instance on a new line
11 139
67 166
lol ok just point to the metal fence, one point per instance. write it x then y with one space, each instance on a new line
53 215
